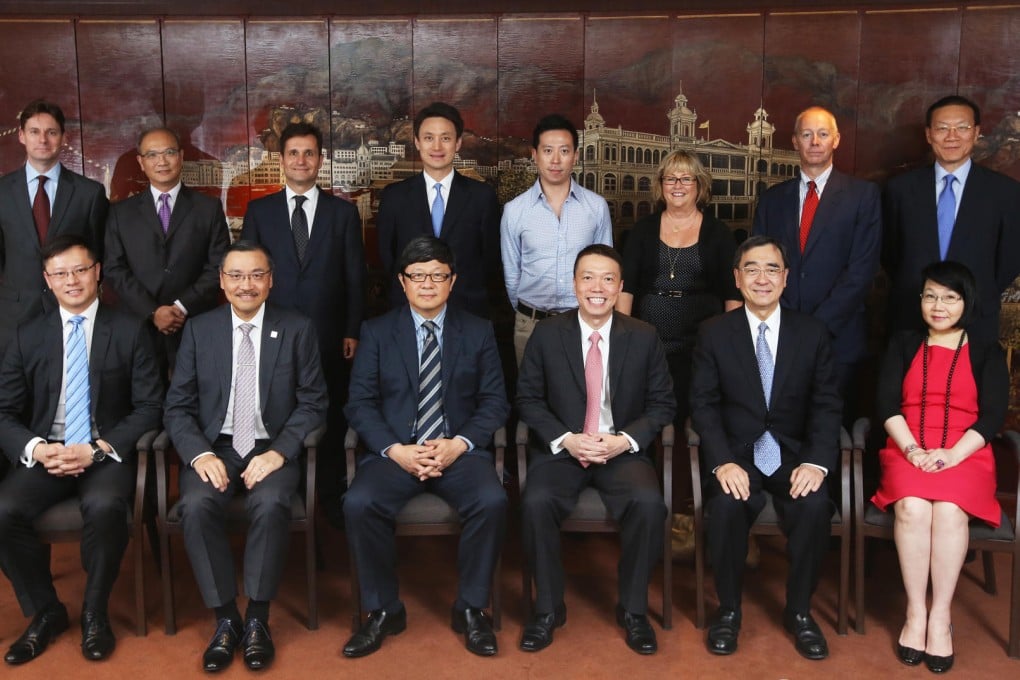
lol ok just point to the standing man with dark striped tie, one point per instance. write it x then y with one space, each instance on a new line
426 396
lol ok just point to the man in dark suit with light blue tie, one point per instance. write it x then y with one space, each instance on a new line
441 202
972 218
830 224
427 395
78 387
765 403
246 391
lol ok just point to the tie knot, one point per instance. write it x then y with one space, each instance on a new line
762 327
811 186
438 187
246 329
594 338
429 326
299 201
164 199
76 320
42 179
949 180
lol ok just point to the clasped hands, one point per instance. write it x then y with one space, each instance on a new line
735 481
428 459
212 470
65 461
168 319
933 460
595 448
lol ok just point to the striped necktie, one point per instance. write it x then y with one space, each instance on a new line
430 388
77 398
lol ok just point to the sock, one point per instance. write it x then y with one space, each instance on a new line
228 611
257 609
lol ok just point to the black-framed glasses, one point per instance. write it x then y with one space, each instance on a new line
419 277
67 274
685 181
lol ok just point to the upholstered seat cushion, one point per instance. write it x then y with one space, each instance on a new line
65 516
979 531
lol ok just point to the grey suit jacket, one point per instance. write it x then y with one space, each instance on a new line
292 390
79 208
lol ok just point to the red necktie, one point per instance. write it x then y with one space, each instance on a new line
593 386
807 215
41 210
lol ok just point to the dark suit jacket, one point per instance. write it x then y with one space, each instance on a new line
79 208
551 390
329 286
383 403
292 392
728 402
148 269
986 238
126 390
470 228
833 277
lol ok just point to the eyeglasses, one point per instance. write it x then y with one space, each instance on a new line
755 272
169 154
419 277
943 130
949 299
65 275
685 181
807 135
257 276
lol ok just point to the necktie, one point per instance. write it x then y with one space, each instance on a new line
164 211
438 210
430 388
593 386
77 398
766 448
946 215
299 224
244 394
41 210
807 215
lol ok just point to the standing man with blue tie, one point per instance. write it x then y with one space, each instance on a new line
78 387
952 210
765 403
443 203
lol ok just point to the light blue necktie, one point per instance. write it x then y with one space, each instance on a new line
438 210
766 448
77 399
946 215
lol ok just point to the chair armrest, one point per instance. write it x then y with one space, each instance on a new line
499 451
692 437
160 446
1012 440
145 442
862 429
522 454
350 449
142 450
693 448
845 455
845 442
667 470
858 475
315 436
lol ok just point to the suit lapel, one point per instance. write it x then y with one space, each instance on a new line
320 228
742 348
967 214
222 347
791 216
97 353
455 206
407 346
928 221
787 351
272 339
18 185
147 215
452 333
570 336
828 204
421 205
65 190
620 341
53 342
281 244
179 214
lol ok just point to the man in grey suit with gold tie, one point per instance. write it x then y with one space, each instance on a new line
246 391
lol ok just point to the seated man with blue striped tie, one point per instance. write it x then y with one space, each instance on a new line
78 387
765 402
426 397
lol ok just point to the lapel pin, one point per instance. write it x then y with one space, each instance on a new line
273 334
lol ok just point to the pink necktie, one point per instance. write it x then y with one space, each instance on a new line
593 386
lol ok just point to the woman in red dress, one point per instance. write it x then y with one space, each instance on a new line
941 399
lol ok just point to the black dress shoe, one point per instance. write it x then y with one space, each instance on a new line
640 634
909 655
220 651
723 631
477 628
257 645
939 664
807 636
370 636
46 625
538 631
97 641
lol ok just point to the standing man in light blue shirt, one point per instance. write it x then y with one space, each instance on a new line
544 229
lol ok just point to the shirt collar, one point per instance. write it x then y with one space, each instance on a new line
312 194
819 181
256 320
439 319
52 174
537 194
89 313
447 181
174 192
960 173
587 330
772 321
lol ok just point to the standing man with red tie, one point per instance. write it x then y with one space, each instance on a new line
38 202
830 225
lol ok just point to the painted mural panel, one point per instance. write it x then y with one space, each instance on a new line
909 59
51 73
287 81
121 83
207 111
811 59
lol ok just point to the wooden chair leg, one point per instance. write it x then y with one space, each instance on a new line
667 577
497 609
1013 649
355 597
141 627
987 559
844 579
169 619
311 565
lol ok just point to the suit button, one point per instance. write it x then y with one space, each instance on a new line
167 270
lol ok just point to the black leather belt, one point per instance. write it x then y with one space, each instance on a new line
533 313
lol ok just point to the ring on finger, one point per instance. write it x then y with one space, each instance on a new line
940 463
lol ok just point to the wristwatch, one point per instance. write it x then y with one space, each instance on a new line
98 455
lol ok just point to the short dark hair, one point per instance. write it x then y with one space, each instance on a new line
757 242
38 106
300 130
553 121
148 131
245 246
439 110
62 244
952 100
599 249
957 278
426 249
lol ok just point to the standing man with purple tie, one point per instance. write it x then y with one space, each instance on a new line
38 202
601 436
830 224
164 245
443 203
952 210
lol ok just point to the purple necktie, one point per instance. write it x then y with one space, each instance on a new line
164 211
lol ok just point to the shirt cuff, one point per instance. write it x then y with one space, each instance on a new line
180 305
825 470
383 452
26 456
633 444
470 444
556 445
112 453
201 455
